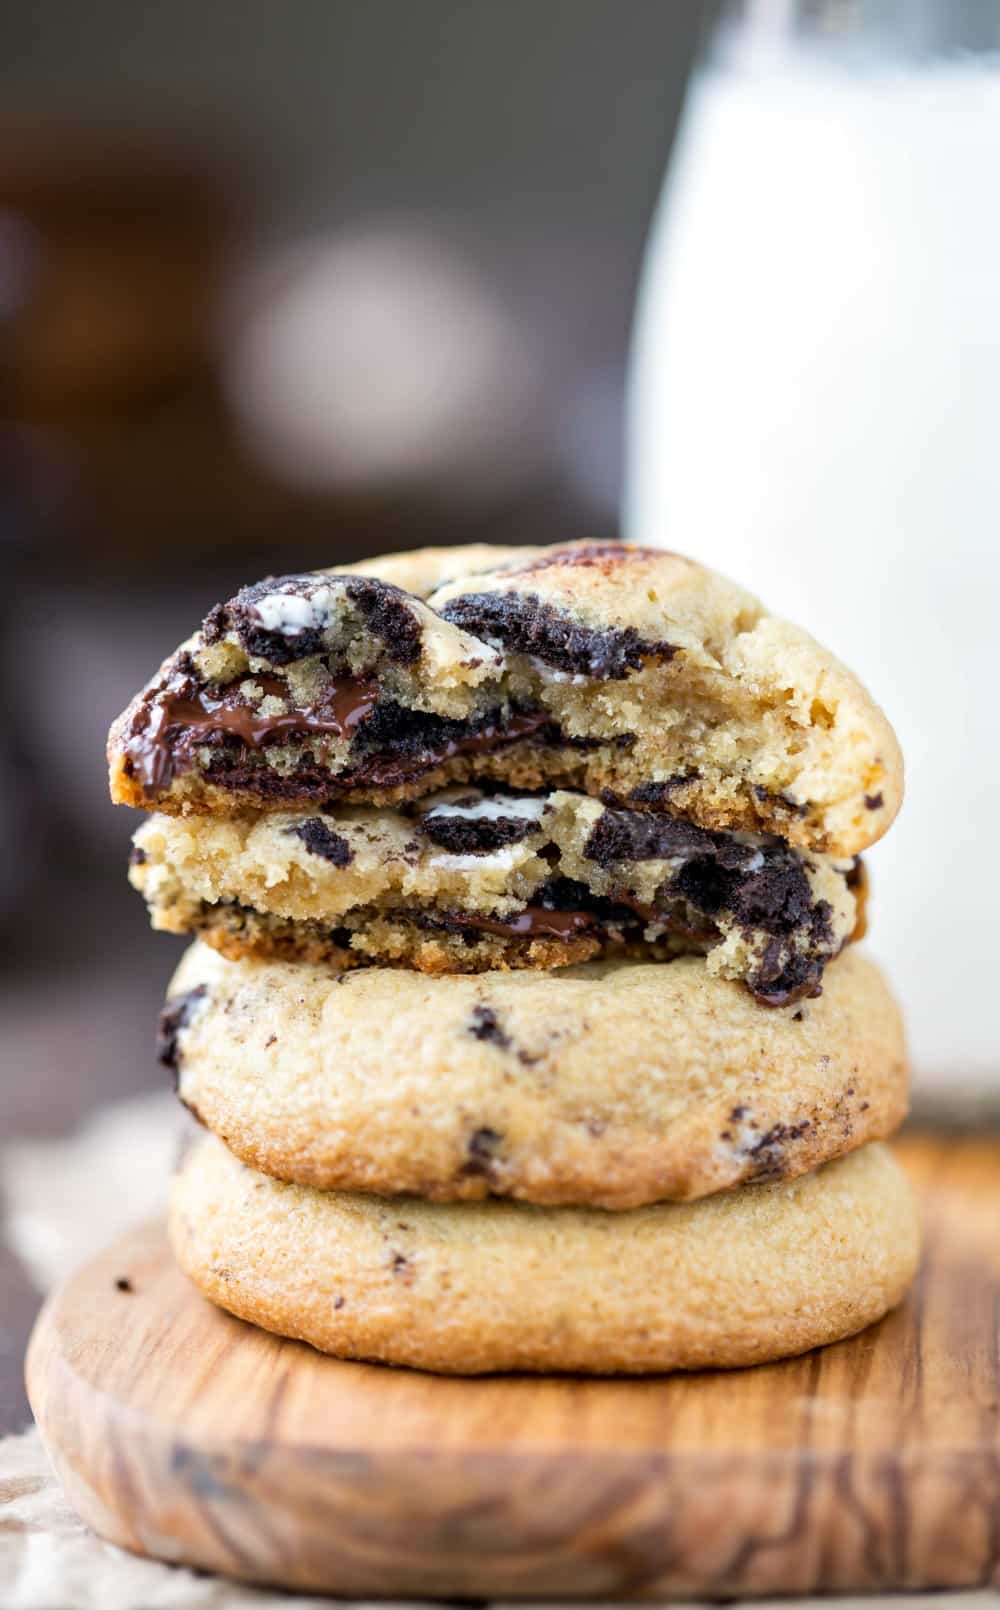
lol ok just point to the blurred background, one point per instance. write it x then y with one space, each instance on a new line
282 286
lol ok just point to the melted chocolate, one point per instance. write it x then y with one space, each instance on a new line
185 715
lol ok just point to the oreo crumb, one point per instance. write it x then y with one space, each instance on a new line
874 802
402 1267
137 856
124 1284
485 1025
339 1302
768 1152
321 840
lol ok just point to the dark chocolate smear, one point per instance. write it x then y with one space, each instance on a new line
184 714
323 841
523 624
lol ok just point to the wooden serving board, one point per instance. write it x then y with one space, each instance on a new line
182 1433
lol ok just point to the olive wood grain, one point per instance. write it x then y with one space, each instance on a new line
874 1464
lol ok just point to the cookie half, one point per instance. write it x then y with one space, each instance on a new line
612 1084
467 881
622 671
758 1274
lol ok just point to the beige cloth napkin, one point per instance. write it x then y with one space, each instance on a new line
63 1202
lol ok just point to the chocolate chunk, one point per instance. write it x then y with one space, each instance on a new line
321 840
522 623
137 856
176 1015
873 802
124 1284
486 1026
388 616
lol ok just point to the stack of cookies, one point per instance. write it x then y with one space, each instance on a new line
525 1017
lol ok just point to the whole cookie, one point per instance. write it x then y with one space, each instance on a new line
752 1275
611 1084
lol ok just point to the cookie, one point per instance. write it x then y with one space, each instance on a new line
629 673
758 1274
466 881
612 1084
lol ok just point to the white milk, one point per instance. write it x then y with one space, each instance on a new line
815 408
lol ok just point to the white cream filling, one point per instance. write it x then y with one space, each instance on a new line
292 613
486 808
493 860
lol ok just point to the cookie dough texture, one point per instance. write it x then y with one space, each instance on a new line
436 887
611 1084
742 1278
610 668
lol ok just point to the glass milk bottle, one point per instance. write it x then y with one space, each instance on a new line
813 407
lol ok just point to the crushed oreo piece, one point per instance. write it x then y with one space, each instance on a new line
474 835
388 616
176 1015
523 624
656 793
482 1148
323 841
767 1153
137 856
485 1025
874 802
642 836
241 617
384 608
